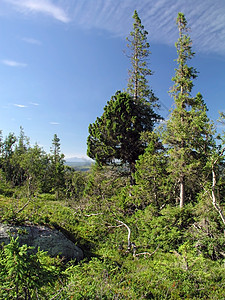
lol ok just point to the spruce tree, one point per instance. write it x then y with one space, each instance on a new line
8 148
151 175
139 53
23 142
188 131
57 165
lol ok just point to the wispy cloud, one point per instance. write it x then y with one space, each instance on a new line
13 63
206 19
34 103
54 123
31 41
20 105
41 6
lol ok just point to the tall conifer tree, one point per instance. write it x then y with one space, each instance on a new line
116 136
57 165
139 52
188 131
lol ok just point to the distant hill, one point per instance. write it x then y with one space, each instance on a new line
82 164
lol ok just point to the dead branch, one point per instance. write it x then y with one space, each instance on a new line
116 226
213 194
59 292
25 205
129 233
93 215
19 211
215 204
132 244
222 253
147 253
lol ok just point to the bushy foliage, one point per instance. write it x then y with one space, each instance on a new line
115 137
23 274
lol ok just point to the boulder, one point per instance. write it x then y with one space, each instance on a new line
51 240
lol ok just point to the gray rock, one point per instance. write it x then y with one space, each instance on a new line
47 239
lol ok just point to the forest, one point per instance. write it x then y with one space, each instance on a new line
148 215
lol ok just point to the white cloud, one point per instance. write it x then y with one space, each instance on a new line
41 6
13 63
54 123
206 19
34 103
20 105
31 41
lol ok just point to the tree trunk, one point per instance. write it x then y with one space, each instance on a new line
132 171
182 193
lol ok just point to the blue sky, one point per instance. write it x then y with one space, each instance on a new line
62 60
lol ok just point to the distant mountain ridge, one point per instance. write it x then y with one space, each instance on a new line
79 163
79 159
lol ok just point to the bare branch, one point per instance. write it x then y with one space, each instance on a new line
147 253
93 215
222 253
132 244
111 226
59 292
215 204
21 209
25 205
129 233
